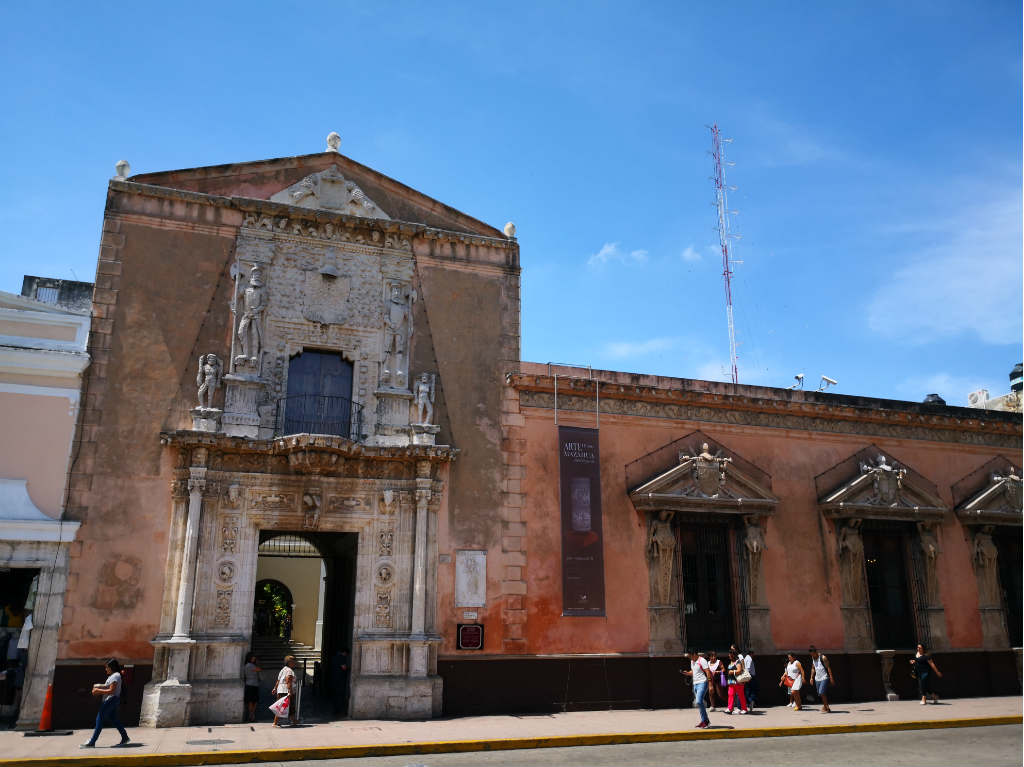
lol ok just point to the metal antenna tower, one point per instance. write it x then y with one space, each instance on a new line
725 237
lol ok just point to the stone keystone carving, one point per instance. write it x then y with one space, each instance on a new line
208 379
424 398
311 503
887 479
250 319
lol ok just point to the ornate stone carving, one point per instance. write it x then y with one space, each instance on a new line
754 545
249 317
388 502
887 481
985 560
311 501
382 610
233 497
708 471
330 190
385 575
424 398
397 334
222 614
196 485
1011 488
851 564
226 571
208 379
310 460
274 502
930 550
661 549
385 543
229 534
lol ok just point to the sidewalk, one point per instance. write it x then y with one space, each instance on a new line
239 743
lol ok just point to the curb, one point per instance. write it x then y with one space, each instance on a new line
500 744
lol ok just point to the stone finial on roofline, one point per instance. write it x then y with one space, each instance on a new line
122 168
333 142
510 229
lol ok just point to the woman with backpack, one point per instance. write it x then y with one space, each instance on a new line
822 677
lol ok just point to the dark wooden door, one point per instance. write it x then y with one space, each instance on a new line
1008 543
707 586
891 609
319 394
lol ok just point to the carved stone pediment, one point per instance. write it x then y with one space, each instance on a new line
878 487
329 190
998 502
703 482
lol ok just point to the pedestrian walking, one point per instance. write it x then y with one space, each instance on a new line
716 681
794 673
822 676
285 687
922 667
737 679
699 672
111 692
252 685
753 686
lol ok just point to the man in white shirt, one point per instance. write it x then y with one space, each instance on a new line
699 671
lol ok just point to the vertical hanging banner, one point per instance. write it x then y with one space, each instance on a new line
579 469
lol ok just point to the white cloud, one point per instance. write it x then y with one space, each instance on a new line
611 251
690 254
627 349
713 370
967 281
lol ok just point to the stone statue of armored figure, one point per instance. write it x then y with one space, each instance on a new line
423 398
208 379
250 313
397 333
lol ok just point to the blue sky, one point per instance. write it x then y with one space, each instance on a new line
877 150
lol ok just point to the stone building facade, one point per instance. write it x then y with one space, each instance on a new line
304 346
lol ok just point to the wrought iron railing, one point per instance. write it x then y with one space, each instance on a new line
319 414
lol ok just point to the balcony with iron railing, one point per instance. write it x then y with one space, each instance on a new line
319 414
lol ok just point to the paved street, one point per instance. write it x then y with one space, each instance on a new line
975 746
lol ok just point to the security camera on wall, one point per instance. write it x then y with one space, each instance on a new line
799 381
826 382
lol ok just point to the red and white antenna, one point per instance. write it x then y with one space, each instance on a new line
725 237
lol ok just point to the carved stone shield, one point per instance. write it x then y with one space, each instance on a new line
887 485
707 476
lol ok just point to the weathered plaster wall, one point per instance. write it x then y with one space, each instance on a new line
800 561
162 268
39 454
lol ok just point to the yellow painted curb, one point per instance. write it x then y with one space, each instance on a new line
500 744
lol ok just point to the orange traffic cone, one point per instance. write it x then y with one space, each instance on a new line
46 718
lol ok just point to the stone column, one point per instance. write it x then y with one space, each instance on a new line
985 557
857 629
187 586
934 613
759 626
419 650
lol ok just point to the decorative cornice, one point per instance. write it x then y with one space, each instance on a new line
743 410
312 222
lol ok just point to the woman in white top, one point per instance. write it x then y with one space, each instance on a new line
716 695
795 673
111 692
286 686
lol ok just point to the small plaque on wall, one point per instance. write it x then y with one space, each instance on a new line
471 636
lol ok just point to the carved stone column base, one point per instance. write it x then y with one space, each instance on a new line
664 630
388 697
166 704
857 633
424 433
759 626
887 657
993 628
206 419
392 428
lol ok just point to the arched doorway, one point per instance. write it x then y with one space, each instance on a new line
273 609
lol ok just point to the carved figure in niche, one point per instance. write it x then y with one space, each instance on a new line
424 398
985 557
662 550
234 495
753 541
208 379
397 331
887 480
851 564
310 509
930 548
1011 488
708 471
250 332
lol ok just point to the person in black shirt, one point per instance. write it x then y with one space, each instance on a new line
923 666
